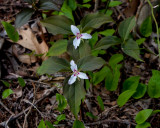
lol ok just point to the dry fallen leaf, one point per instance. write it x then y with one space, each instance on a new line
30 41
24 58
27 59
17 92
131 8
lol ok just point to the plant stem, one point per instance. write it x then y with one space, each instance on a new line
156 26
96 5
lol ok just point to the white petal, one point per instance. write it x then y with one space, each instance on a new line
82 75
76 42
73 65
86 36
72 79
75 30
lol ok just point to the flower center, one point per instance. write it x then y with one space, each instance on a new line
79 35
76 73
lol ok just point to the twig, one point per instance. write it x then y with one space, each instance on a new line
120 12
27 101
26 115
21 113
139 8
10 113
6 108
46 85
15 116
107 111
5 123
18 124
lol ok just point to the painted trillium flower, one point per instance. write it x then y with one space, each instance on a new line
76 73
79 36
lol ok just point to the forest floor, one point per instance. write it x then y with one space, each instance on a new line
37 100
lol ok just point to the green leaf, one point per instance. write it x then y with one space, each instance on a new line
98 52
60 118
72 51
131 48
49 124
131 83
107 42
100 76
66 10
6 83
140 41
146 27
94 39
72 4
87 84
90 63
114 3
109 79
53 65
143 115
58 48
109 12
48 5
154 84
103 0
78 124
84 49
63 26
62 102
140 91
94 20
126 26
89 114
108 32
84 5
42 124
74 94
6 93
124 97
11 31
115 59
144 125
155 112
21 82
100 102
112 78
86 1
23 17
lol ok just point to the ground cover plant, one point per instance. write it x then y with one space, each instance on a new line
70 63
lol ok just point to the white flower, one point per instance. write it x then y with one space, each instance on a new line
79 35
76 73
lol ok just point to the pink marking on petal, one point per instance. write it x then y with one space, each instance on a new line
79 35
76 73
